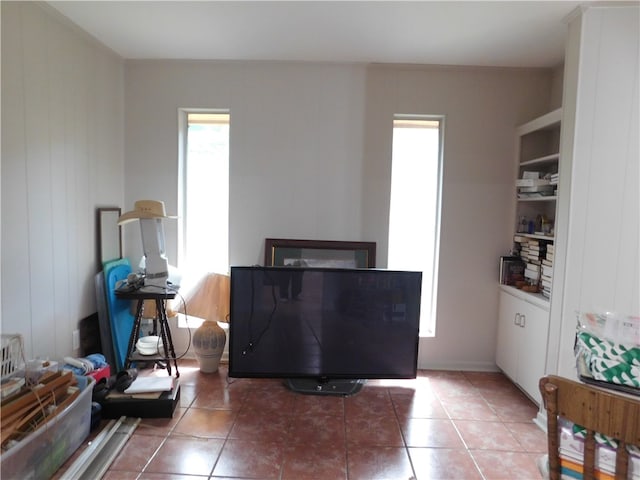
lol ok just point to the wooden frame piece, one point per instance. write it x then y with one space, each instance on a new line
319 253
596 410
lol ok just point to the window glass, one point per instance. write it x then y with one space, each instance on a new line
415 205
205 192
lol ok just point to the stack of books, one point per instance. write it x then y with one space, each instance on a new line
532 251
546 278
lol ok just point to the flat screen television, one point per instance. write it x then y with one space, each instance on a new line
324 330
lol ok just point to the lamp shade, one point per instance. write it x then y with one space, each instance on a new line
209 298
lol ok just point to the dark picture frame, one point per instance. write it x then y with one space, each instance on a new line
319 253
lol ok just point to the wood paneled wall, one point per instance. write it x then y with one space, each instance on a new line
599 237
62 157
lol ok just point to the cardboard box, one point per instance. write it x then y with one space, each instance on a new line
117 405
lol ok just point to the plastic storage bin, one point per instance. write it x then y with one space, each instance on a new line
35 369
43 452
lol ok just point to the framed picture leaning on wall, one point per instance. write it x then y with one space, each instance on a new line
319 253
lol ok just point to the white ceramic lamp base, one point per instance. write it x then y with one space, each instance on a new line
208 343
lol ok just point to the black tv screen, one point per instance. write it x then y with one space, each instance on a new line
324 323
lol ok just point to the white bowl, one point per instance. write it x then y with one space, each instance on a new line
148 345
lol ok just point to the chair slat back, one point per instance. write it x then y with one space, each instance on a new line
596 410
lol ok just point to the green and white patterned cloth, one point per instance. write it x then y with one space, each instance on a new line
581 432
608 361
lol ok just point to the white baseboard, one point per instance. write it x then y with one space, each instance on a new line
461 366
541 419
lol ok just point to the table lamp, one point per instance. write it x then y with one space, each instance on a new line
209 300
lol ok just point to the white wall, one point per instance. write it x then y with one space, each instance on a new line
310 158
600 152
62 156
295 146
295 149
481 106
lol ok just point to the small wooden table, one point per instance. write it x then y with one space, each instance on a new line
159 295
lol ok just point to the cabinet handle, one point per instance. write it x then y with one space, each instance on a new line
524 320
516 319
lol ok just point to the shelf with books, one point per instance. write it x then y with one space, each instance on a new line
526 275
538 157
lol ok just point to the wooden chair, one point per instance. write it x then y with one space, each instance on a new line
595 409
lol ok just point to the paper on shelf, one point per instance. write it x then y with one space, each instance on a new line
530 175
531 182
150 384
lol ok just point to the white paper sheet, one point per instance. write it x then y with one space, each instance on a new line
150 384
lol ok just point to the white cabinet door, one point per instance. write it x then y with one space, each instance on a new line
533 348
508 336
522 342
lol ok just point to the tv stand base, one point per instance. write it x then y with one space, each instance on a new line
320 386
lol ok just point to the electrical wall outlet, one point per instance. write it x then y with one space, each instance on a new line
75 340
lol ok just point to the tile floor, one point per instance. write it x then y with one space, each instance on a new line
442 425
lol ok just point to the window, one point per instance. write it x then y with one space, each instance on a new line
414 219
203 193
